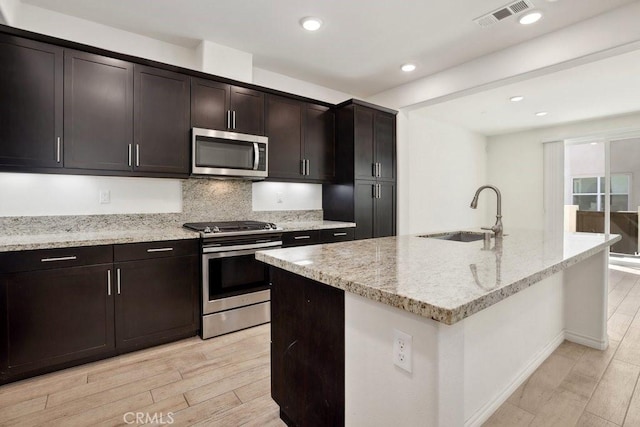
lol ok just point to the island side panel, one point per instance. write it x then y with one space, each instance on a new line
307 350
378 393
586 300
505 343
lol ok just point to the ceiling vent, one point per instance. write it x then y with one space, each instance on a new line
514 8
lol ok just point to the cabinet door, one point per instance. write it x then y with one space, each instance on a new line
209 104
248 108
363 142
319 145
31 106
161 121
385 210
364 209
385 144
285 118
156 301
98 112
56 316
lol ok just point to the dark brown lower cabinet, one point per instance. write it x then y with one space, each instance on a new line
157 301
62 307
307 350
52 317
623 223
374 209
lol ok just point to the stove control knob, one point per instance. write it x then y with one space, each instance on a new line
216 229
272 226
207 230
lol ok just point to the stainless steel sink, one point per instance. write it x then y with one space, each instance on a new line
457 236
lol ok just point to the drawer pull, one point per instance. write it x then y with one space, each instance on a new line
118 280
109 282
62 258
301 237
160 250
339 234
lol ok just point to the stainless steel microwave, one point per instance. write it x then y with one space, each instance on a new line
229 154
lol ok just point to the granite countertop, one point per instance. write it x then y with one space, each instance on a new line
23 242
438 279
314 225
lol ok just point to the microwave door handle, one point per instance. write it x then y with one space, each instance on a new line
256 156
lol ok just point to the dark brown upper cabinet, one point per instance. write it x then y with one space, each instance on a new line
221 106
98 112
30 103
374 144
301 141
161 121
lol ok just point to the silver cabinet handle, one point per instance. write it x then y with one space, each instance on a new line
303 166
339 234
374 166
129 155
137 154
374 191
301 237
379 169
228 119
62 258
234 120
378 185
109 282
118 280
160 250
308 165
58 149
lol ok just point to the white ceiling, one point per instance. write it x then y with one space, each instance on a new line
361 46
607 87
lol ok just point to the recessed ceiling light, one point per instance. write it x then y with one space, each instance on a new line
541 113
516 98
530 18
408 68
310 23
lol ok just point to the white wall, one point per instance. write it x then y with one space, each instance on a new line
38 195
8 11
441 166
515 165
224 61
284 83
286 196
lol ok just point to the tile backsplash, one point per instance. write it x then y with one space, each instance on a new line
202 200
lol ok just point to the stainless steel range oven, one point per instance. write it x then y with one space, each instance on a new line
235 287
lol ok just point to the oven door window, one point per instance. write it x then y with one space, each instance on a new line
221 153
236 275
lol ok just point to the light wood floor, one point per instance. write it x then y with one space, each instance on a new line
225 381
579 386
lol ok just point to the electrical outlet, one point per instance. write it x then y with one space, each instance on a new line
402 346
105 197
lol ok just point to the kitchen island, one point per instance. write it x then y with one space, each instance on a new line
481 318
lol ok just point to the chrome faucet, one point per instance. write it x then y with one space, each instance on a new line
497 228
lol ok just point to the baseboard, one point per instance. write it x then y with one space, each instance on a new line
586 341
483 414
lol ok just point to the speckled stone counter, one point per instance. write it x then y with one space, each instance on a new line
23 242
314 225
443 280
106 237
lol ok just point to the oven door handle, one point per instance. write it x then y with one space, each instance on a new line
239 249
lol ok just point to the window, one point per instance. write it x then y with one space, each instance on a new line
588 192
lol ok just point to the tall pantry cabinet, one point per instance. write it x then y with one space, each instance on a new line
364 191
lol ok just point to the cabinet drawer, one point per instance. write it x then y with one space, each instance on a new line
300 238
149 250
44 259
337 235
